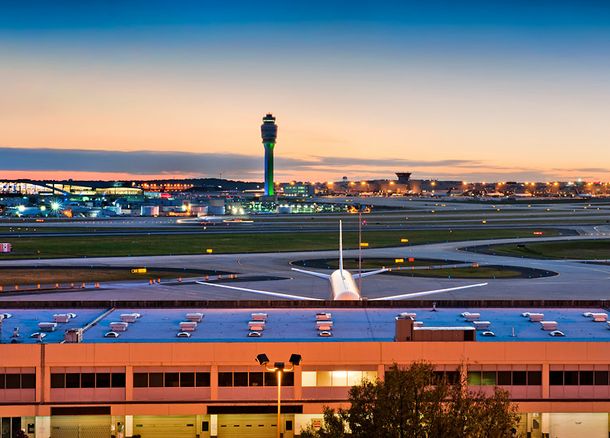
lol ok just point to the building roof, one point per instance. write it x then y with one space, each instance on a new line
299 325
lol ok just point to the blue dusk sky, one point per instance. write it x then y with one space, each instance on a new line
467 90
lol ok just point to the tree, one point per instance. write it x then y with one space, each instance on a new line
417 402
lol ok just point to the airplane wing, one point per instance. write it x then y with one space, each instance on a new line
258 291
428 292
369 273
315 274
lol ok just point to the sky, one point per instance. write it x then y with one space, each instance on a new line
470 90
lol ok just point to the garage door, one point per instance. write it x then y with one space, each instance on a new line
576 424
80 426
165 427
247 425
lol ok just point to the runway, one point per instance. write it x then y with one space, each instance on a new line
576 280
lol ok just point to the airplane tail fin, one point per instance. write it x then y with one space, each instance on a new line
340 246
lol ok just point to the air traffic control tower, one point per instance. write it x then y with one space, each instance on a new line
269 134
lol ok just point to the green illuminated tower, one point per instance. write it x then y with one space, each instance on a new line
269 134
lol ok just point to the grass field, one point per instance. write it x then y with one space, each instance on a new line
368 263
11 277
578 249
100 246
482 272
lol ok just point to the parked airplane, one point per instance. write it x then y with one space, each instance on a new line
342 283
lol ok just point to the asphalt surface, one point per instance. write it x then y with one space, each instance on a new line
575 280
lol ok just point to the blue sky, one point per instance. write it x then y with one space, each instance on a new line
512 87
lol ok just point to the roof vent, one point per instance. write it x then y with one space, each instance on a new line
255 334
47 326
481 325
256 326
536 317
188 326
183 335
325 334
119 326
62 318
323 316
488 333
557 333
324 325
111 334
470 317
194 317
405 315
5 316
130 317
548 325
259 317
38 335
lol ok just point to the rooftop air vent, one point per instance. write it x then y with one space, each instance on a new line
256 326
5 315
536 317
194 317
111 335
548 325
488 333
61 318
130 317
470 317
405 315
255 334
259 317
38 335
557 333
183 335
47 326
325 334
481 325
188 326
119 326
323 316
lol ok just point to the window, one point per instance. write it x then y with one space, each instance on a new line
324 378
187 380
586 377
519 378
13 381
202 379
172 380
505 378
601 377
287 379
270 379
256 379
58 380
308 378
488 378
28 381
534 378
225 379
155 380
140 380
474 378
2 381
87 380
338 378
102 380
240 379
117 380
556 377
570 377
72 380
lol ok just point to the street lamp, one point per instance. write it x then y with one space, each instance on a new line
279 368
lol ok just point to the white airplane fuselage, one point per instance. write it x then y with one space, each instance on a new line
343 287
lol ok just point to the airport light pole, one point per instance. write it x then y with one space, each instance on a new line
279 368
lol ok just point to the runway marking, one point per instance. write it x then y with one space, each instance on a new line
428 292
256 291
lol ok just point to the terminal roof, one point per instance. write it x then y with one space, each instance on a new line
299 325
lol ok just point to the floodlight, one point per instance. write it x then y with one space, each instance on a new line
262 359
295 359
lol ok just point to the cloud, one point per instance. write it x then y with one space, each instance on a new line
167 163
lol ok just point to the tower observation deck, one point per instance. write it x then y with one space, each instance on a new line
269 135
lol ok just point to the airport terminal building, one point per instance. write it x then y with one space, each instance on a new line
190 371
